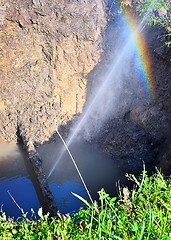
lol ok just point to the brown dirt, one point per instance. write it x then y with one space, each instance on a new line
46 49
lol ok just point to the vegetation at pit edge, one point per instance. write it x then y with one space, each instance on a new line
149 11
142 213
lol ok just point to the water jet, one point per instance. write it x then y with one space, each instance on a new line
99 107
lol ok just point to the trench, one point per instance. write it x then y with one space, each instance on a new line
127 138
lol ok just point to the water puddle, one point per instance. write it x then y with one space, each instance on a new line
14 178
97 170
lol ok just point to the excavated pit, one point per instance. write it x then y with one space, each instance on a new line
51 56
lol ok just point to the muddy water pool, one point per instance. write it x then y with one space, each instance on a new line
14 178
97 170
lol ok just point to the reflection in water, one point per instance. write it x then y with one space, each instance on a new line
97 170
62 193
14 177
22 190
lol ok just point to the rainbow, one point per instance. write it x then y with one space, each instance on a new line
143 63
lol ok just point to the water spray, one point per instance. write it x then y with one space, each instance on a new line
95 101
75 166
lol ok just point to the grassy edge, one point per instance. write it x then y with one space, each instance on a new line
142 213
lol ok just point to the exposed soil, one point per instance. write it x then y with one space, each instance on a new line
47 48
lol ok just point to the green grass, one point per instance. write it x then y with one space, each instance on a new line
142 213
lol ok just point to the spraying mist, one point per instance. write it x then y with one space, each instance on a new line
114 91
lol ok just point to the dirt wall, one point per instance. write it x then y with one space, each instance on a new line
47 48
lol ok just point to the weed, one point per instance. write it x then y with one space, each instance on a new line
143 213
